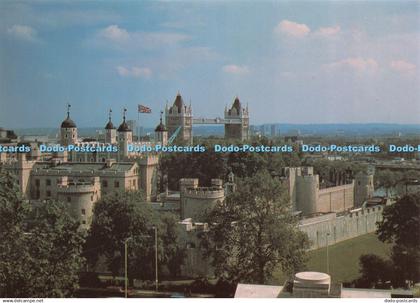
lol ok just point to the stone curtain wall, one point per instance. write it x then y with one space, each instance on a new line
336 199
340 226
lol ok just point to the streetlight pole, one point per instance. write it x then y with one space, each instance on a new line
125 265
328 259
156 259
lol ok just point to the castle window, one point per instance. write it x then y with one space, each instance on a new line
83 211
91 198
68 199
48 182
105 183
116 184
37 182
84 222
48 193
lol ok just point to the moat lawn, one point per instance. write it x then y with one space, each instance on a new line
343 256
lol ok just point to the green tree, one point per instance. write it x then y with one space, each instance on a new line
253 231
122 215
40 246
387 179
117 217
401 226
174 254
374 270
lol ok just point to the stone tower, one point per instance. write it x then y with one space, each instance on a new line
196 201
110 131
125 137
161 132
237 130
363 188
24 168
68 131
179 115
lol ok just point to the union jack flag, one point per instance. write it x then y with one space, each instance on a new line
144 109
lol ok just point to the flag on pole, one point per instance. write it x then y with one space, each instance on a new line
144 109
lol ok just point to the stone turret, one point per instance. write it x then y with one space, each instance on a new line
68 130
161 132
110 131
363 188
125 136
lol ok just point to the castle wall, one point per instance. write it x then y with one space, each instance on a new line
336 199
195 264
340 227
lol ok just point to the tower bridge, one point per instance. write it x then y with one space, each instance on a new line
179 120
216 121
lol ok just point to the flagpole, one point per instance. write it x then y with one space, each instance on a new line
138 125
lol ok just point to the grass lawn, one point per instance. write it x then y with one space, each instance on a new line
343 256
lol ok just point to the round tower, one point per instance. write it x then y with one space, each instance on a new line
363 188
161 132
110 131
68 131
197 201
307 194
125 136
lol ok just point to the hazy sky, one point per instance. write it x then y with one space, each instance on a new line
291 61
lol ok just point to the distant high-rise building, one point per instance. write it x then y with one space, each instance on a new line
274 130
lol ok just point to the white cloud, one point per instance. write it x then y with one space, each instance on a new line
356 64
123 39
291 28
402 66
328 31
135 72
23 32
236 69
115 33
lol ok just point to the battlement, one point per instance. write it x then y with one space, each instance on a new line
77 188
203 192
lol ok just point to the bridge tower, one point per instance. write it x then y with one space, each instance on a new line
179 115
237 130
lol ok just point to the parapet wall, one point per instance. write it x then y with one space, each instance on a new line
340 227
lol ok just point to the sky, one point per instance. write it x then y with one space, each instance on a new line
290 61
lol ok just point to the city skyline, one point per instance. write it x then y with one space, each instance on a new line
303 62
